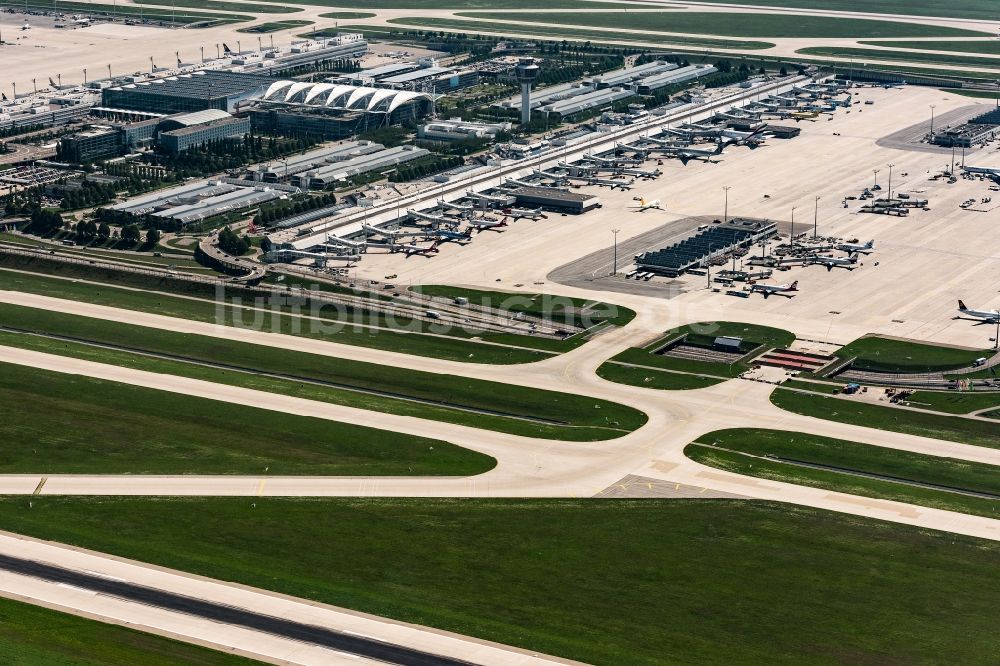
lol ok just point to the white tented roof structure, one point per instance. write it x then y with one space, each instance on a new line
340 97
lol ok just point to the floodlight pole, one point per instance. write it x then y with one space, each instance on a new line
816 218
614 266
932 122
889 195
725 213
875 184
791 237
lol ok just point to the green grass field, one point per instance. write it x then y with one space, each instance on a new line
222 5
880 354
35 636
655 379
274 26
347 15
968 9
949 428
955 402
982 94
979 47
460 4
579 34
564 309
605 582
900 56
328 324
745 451
702 333
58 423
731 24
475 403
184 16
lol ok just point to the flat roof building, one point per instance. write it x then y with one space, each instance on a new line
553 198
206 89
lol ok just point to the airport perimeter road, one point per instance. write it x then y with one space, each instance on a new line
263 625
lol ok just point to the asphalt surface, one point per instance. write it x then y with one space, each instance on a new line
230 615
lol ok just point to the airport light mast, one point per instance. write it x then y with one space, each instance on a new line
526 72
725 212
614 266
816 217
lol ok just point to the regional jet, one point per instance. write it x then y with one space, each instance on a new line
850 263
863 248
647 205
782 289
986 316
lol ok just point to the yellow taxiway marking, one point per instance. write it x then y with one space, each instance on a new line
260 487
38 488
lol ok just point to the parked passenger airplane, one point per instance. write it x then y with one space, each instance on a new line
863 248
987 316
647 205
783 289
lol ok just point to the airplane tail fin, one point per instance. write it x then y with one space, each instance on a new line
794 287
961 306
225 48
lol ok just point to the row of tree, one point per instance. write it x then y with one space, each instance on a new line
272 212
425 167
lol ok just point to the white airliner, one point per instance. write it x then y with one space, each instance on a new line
863 248
988 316
648 205
483 225
783 289
850 263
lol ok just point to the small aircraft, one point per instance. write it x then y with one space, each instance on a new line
986 316
850 262
863 248
647 205
26 26
642 173
782 289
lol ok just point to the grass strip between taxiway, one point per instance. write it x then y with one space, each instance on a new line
635 579
352 328
475 403
851 467
896 419
730 24
917 57
31 635
60 423
556 32
966 9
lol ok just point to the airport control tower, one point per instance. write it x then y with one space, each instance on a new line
526 72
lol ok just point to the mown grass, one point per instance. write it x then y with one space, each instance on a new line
56 423
969 9
184 16
35 636
733 24
514 409
879 354
954 402
703 334
561 309
363 329
983 47
256 8
860 458
606 582
274 26
654 379
557 32
950 428
900 56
